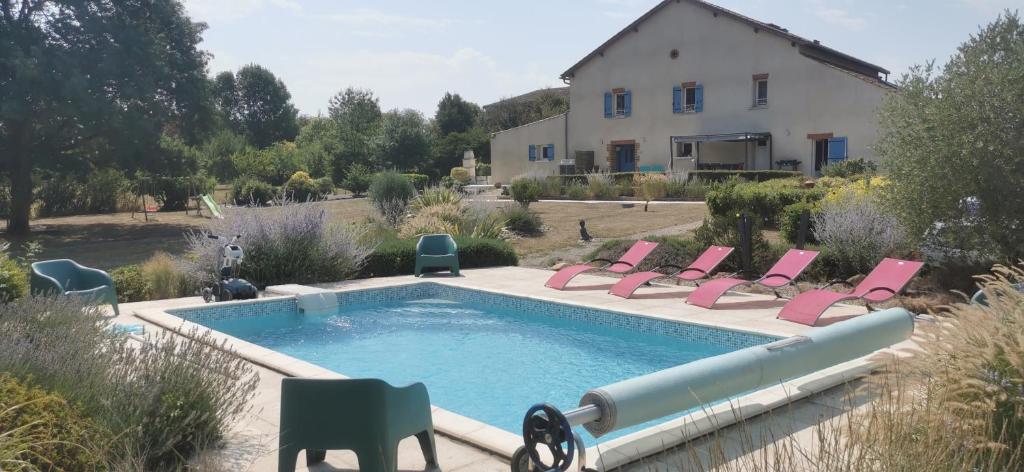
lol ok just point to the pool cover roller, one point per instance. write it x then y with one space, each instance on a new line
681 388
641 399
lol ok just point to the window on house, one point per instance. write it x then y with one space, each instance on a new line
690 99
684 149
620 104
549 152
761 93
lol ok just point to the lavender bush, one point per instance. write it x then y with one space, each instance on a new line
162 400
856 234
291 243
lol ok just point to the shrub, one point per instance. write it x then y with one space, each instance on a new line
164 278
13 277
433 196
390 194
5 199
58 196
357 179
675 186
652 187
525 190
159 400
577 192
300 187
696 189
601 186
248 190
789 226
131 285
764 200
286 244
625 189
747 175
460 174
398 257
856 234
550 186
850 168
419 181
670 250
521 220
483 169
274 164
456 220
60 436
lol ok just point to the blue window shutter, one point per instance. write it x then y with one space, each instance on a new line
533 152
629 103
551 152
677 99
698 99
837 149
608 111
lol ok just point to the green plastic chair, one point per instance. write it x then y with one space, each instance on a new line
67 277
437 250
367 416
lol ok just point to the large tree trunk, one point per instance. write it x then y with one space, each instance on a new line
21 193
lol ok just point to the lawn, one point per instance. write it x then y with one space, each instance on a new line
108 241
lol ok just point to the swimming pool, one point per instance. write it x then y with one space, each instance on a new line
484 355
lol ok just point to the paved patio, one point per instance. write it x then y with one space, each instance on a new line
252 444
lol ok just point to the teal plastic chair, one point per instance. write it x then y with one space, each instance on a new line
980 298
437 250
67 277
367 416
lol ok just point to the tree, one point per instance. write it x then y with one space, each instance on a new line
510 112
94 82
405 140
455 115
356 110
449 149
953 139
257 104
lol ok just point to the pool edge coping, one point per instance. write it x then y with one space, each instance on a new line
606 456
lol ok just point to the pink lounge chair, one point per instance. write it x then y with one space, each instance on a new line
626 263
887 279
699 269
783 273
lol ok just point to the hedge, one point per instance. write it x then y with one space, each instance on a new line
398 257
765 200
749 175
419 181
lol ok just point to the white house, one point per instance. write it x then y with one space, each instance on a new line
690 85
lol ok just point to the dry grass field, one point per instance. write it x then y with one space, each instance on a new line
107 241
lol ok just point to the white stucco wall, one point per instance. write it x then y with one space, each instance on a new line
510 149
722 54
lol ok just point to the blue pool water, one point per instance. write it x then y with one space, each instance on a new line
485 356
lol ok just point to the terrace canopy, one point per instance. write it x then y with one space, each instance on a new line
749 150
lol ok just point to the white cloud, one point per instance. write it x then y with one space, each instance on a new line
228 10
840 17
366 20
408 79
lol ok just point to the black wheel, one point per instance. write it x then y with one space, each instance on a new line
226 295
545 425
521 460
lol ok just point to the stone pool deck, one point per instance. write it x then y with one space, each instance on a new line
254 440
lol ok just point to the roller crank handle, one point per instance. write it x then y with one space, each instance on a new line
545 425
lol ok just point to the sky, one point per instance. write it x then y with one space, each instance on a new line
410 52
